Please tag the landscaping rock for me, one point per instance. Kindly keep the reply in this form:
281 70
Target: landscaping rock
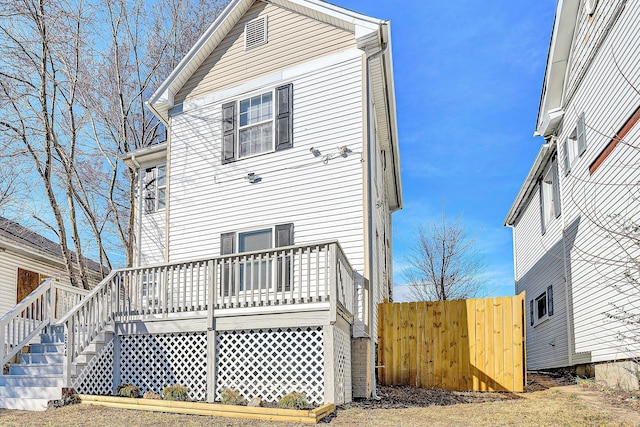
151 395
256 402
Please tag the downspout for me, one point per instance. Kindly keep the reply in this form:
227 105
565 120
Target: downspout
139 239
370 218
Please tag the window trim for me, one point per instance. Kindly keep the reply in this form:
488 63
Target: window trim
156 188
547 298
272 120
549 194
575 144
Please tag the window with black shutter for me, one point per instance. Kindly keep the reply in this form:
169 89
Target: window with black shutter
257 124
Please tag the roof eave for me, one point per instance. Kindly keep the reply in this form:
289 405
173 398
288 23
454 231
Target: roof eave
557 58
544 154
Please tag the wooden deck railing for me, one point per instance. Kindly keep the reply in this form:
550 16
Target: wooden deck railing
290 275
39 309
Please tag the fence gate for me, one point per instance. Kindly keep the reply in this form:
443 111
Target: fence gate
475 344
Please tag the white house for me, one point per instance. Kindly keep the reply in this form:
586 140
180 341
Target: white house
263 240
575 218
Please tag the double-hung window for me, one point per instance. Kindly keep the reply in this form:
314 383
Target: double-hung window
549 189
541 308
255 274
155 188
256 124
575 145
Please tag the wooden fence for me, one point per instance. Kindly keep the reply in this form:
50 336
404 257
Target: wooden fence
475 344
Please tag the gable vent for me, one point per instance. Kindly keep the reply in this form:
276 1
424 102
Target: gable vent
255 33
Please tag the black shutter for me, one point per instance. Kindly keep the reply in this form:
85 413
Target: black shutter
149 190
284 237
567 163
227 247
550 300
228 132
555 185
542 224
284 116
531 311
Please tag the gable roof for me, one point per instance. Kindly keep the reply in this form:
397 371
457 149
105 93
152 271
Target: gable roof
20 239
371 34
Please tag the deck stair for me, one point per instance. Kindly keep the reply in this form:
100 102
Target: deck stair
38 376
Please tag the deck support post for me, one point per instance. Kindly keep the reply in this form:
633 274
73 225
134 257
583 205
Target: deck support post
329 370
211 365
117 353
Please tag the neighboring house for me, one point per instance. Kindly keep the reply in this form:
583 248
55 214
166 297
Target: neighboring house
263 231
26 259
575 246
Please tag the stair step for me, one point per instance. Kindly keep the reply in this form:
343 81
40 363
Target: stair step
41 358
30 381
32 392
23 404
51 338
49 369
46 348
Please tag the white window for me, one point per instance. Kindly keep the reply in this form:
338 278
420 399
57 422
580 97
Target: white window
256 125
575 145
541 308
255 274
155 188
549 188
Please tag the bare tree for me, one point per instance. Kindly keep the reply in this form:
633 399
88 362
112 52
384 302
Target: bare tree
444 264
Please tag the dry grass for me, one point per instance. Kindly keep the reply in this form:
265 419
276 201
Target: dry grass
542 408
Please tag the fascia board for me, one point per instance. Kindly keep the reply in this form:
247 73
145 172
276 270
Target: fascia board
529 183
558 57
31 253
197 54
146 154
393 122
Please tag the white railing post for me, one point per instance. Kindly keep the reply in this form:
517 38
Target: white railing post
333 282
68 352
52 302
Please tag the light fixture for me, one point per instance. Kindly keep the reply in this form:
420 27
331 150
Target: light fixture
315 152
253 178
344 151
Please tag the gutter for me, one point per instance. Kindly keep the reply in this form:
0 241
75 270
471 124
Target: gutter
370 265
139 240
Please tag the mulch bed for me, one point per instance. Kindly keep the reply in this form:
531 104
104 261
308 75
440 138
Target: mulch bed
398 397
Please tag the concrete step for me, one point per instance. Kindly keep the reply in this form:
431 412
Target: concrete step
47 348
36 370
31 381
23 404
41 358
34 392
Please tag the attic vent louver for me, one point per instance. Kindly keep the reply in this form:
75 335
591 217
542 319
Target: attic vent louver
255 33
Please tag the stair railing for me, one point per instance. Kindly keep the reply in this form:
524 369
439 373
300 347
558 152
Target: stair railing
87 319
38 310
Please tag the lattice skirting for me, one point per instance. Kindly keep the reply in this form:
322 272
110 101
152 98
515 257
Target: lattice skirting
271 363
156 361
342 365
97 376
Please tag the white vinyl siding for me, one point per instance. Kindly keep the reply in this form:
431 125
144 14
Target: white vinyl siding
9 264
324 201
591 203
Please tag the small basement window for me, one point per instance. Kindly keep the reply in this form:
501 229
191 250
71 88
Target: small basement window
541 308
255 33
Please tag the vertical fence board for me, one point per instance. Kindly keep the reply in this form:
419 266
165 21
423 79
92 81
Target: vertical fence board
458 345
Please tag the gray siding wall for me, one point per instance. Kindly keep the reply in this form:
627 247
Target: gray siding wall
594 207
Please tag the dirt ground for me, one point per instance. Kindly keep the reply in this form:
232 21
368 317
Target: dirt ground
549 401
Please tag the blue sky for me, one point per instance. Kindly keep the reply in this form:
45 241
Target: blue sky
468 77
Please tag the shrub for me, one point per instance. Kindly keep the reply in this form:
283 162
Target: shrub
176 392
294 400
128 390
232 397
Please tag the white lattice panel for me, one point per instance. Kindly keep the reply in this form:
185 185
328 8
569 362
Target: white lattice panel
153 362
271 363
97 376
342 365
